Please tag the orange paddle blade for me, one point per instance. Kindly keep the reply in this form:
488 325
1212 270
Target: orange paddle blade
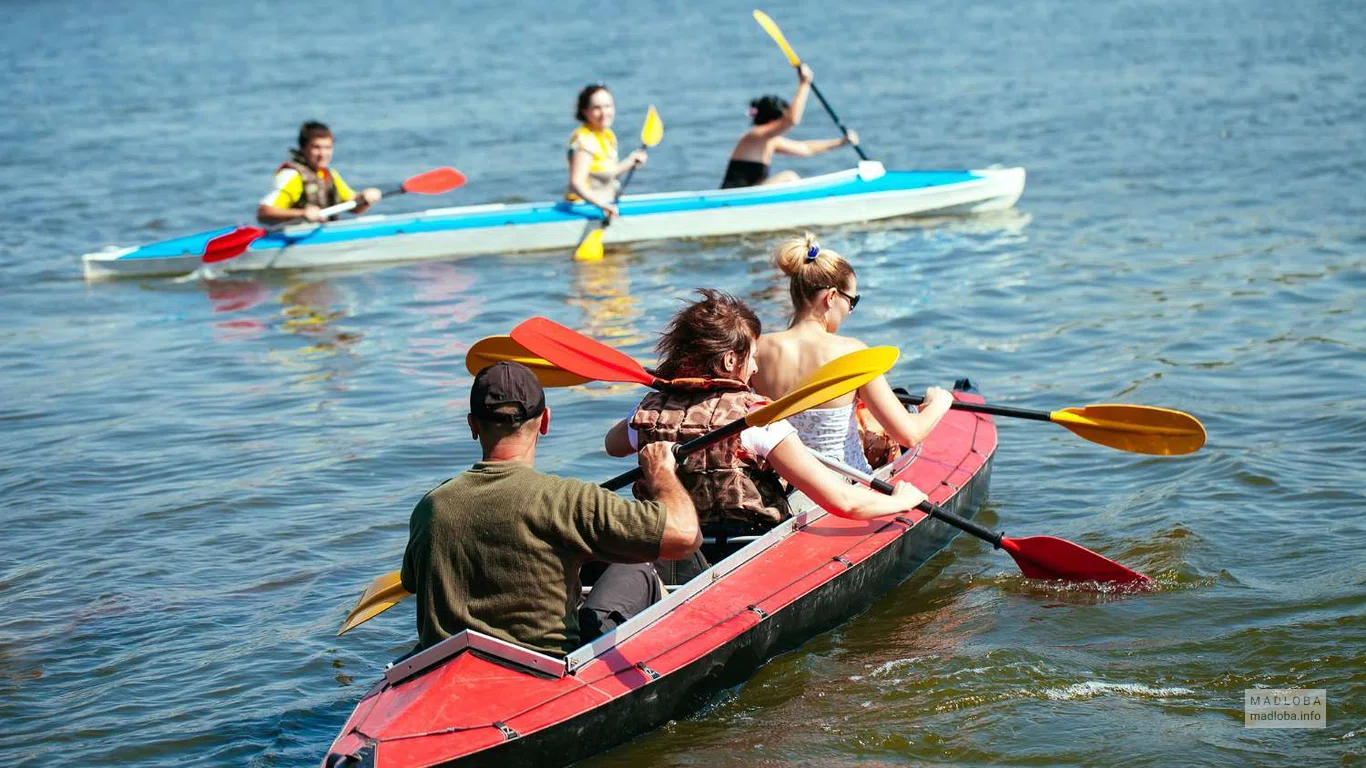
434 182
579 354
496 349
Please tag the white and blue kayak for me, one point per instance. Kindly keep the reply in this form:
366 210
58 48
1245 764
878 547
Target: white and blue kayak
865 193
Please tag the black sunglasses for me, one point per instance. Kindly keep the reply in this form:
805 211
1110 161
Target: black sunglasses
853 300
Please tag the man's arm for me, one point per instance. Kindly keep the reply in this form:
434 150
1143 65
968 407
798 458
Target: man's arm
367 197
277 207
682 532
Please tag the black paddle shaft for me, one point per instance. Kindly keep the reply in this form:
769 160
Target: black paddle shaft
939 513
735 427
994 410
622 189
836 118
681 450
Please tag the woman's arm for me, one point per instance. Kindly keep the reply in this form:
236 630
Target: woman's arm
795 463
905 427
797 108
793 116
785 146
579 163
618 440
636 158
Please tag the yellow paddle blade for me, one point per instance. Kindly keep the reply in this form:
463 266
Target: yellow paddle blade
837 377
771 28
496 349
383 593
1135 428
591 247
652 132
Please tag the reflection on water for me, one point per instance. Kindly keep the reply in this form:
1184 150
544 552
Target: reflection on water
309 308
602 289
445 301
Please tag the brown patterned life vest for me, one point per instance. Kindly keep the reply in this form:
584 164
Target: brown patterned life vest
724 481
319 192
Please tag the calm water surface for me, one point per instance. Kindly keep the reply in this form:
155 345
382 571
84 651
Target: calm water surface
198 479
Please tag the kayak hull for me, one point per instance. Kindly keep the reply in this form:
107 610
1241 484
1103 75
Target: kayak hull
473 706
865 194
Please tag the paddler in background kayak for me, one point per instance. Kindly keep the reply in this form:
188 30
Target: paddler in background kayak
307 183
498 548
824 291
707 354
593 164
773 117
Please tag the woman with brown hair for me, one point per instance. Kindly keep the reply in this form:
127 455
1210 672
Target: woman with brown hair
824 290
593 164
707 355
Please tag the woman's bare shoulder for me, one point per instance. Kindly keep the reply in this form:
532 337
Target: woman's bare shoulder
846 344
774 344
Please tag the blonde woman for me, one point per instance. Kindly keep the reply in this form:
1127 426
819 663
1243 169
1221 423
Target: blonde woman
824 291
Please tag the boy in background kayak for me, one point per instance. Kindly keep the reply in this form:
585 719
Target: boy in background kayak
306 183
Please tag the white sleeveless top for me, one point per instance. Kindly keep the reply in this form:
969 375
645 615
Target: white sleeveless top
832 432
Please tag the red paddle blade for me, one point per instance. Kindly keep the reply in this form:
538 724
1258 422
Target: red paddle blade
577 353
231 245
1051 558
434 182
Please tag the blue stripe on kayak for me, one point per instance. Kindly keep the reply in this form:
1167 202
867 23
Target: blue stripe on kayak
546 213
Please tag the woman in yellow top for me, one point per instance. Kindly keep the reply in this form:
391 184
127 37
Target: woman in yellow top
593 164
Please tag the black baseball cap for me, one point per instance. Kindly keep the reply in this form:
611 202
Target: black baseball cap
506 383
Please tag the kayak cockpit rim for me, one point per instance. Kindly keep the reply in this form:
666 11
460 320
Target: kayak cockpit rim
645 618
537 662
809 513
469 639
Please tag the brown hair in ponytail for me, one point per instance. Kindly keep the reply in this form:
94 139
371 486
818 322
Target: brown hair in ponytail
812 269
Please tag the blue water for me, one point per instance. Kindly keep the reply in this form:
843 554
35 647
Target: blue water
199 478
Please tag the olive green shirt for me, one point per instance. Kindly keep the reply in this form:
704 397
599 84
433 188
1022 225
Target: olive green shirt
498 550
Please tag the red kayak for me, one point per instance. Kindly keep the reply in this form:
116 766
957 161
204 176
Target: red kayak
475 700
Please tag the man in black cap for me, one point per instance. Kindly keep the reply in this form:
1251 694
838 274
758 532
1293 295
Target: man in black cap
498 548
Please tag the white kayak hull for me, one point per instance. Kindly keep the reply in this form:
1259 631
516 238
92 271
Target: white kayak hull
864 194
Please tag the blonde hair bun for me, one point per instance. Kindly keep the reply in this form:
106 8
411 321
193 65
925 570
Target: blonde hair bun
811 267
790 255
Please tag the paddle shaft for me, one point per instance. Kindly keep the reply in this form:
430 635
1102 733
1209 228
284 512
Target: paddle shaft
994 410
681 450
862 155
622 189
333 210
933 510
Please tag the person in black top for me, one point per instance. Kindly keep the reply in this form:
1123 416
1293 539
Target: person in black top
773 117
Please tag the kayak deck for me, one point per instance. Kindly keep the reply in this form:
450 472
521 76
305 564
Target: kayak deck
472 702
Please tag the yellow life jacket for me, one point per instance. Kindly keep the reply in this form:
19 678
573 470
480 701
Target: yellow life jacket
602 147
